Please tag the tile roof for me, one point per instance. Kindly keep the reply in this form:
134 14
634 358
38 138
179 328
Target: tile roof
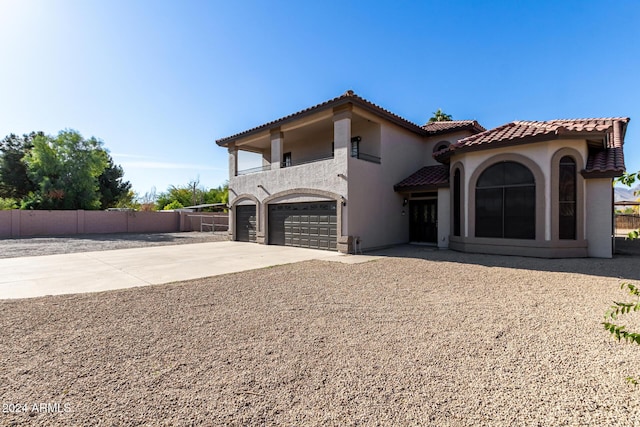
434 128
346 98
350 97
605 164
427 177
607 161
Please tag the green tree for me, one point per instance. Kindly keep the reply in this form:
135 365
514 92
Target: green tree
218 195
14 179
440 116
111 187
183 195
65 169
193 194
7 204
173 205
128 201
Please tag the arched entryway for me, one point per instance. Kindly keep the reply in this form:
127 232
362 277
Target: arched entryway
294 218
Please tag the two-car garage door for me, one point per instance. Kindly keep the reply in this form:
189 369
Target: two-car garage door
307 225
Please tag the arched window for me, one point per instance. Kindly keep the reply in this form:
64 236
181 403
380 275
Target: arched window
567 199
506 202
441 146
456 203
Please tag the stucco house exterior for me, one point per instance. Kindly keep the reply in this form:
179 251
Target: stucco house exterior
349 175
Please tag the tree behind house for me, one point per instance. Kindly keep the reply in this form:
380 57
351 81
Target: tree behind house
39 171
14 179
192 194
440 116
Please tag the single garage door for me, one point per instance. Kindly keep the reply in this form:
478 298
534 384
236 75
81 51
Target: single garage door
305 225
246 223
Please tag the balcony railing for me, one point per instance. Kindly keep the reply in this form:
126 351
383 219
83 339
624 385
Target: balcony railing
366 157
254 170
283 165
304 162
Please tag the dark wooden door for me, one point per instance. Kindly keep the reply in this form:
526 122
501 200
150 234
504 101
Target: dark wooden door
423 221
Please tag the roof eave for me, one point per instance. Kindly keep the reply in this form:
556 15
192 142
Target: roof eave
284 120
520 141
333 103
473 127
423 187
593 174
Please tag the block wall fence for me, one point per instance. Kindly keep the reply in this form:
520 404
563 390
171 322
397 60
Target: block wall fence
27 223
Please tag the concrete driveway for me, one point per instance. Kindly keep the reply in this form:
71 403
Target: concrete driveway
29 277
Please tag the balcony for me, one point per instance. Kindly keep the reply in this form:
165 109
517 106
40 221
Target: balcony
286 164
366 157
254 170
289 163
356 151
318 173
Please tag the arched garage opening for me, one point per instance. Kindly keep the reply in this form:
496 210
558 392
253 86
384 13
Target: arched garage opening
303 218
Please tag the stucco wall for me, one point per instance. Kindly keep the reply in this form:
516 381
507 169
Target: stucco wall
311 147
322 175
599 219
370 137
375 213
444 219
539 153
432 141
593 224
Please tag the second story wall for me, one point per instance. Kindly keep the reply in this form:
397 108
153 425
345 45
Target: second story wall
321 175
432 143
375 214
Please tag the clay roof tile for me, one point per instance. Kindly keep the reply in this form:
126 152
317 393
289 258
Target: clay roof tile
426 177
607 161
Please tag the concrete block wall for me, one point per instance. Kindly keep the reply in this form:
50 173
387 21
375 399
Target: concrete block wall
23 223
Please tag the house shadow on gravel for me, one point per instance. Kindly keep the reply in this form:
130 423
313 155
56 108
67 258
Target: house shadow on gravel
625 265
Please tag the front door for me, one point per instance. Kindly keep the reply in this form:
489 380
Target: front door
423 221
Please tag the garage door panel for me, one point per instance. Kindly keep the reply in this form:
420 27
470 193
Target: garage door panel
309 225
246 223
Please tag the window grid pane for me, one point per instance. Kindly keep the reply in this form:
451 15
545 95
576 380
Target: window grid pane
505 202
567 203
456 203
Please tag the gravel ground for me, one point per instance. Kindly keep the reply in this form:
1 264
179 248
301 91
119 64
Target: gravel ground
34 246
420 337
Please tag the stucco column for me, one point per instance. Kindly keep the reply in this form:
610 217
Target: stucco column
599 217
277 141
342 145
444 219
233 159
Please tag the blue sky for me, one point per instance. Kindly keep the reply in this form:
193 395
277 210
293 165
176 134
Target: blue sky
160 81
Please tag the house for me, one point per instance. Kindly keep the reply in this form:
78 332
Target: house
349 175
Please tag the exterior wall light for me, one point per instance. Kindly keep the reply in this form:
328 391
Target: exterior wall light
405 202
